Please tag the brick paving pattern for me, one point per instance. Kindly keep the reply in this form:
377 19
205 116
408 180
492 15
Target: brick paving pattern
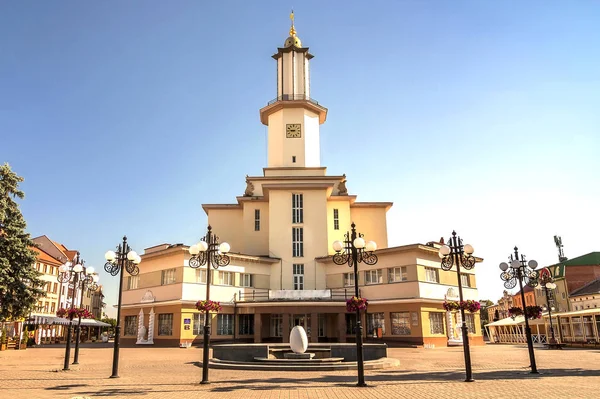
500 371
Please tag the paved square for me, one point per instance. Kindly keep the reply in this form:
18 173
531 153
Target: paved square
500 371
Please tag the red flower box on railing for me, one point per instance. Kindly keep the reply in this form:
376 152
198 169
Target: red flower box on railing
356 303
469 305
74 312
208 306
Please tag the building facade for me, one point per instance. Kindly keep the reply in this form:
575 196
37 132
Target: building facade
281 272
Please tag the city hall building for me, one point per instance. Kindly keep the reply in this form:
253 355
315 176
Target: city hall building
281 229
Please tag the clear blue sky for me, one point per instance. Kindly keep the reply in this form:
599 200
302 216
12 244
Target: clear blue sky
479 116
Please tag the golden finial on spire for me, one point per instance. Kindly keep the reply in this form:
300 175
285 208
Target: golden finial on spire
292 29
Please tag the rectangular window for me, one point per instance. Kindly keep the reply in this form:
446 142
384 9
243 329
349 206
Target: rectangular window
348 279
400 323
396 274
374 276
245 280
165 323
297 242
464 280
54 288
201 276
431 275
297 208
374 322
131 325
470 319
298 270
246 322
350 323
46 269
53 307
133 282
198 328
257 220
276 325
226 278
224 324
436 323
322 324
167 277
336 219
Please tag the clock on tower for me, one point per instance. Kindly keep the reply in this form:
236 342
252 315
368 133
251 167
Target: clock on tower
293 130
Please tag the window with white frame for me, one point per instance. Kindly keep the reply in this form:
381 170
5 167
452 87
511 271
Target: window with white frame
348 279
464 280
396 274
374 276
201 276
245 280
165 324
297 242
276 325
131 325
400 323
224 324
298 272
226 278
133 282
257 220
436 322
470 319
297 208
431 275
336 219
350 323
246 324
375 321
198 327
167 277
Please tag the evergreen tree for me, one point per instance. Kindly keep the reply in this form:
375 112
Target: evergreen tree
19 281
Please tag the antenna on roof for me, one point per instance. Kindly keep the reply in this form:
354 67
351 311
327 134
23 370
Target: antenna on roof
559 246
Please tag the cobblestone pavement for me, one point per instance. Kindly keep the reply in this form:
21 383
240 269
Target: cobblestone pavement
500 371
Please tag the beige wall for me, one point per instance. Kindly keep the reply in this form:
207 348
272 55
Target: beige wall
228 224
305 148
255 242
372 222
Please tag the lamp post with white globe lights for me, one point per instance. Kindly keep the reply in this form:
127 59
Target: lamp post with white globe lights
521 271
127 259
352 251
70 271
547 284
90 282
457 254
212 254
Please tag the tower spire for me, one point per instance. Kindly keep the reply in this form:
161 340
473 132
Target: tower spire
292 28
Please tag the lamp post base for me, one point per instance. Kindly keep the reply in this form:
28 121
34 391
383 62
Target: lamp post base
469 380
204 382
361 384
114 376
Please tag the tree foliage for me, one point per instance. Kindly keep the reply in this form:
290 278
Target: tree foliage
19 281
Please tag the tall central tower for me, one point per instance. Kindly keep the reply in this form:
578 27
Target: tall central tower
293 118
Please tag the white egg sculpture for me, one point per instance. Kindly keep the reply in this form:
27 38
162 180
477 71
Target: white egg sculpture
298 340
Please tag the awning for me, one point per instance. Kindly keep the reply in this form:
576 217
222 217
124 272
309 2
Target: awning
519 320
583 312
52 320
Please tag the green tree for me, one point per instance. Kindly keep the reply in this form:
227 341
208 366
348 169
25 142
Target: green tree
111 321
483 314
19 281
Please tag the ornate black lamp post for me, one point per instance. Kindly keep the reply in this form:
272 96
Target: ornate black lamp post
68 272
212 254
547 285
89 281
352 251
521 271
457 254
127 259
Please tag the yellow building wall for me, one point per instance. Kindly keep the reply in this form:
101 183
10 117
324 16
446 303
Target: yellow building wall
255 242
227 225
372 222
345 220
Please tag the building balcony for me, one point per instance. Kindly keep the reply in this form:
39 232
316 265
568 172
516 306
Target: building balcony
266 295
293 97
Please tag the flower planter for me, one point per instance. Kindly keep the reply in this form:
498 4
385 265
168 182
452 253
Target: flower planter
3 347
356 303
